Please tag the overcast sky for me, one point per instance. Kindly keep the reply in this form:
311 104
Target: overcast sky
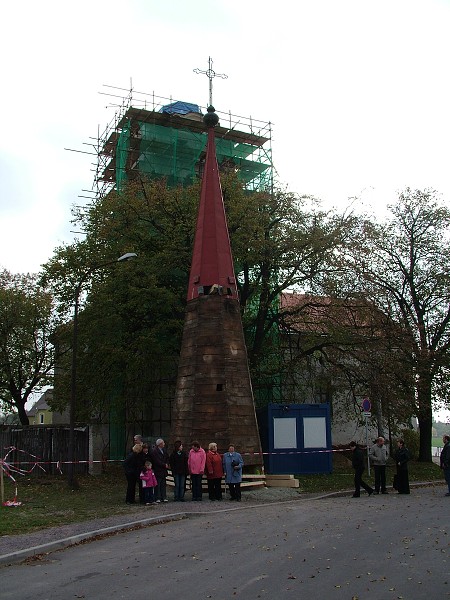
358 92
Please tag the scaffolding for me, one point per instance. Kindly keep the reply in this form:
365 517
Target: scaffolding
149 137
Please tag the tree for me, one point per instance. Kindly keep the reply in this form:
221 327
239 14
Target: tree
135 321
26 353
280 241
131 323
402 267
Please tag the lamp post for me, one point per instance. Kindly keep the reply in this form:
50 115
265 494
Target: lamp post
71 480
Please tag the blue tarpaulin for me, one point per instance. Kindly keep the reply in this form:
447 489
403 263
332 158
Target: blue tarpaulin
180 108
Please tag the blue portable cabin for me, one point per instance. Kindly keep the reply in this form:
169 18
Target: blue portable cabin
296 438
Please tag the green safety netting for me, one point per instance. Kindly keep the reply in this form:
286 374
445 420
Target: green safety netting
175 154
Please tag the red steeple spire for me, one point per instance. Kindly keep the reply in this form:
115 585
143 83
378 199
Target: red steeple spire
212 262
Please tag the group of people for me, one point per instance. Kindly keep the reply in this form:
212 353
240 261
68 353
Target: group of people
148 469
378 456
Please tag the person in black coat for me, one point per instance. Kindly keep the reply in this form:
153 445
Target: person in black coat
178 461
160 461
401 460
358 465
132 466
445 460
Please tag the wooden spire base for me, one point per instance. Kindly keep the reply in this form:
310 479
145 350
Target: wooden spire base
214 398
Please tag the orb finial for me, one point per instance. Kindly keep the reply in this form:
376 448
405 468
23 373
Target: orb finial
211 118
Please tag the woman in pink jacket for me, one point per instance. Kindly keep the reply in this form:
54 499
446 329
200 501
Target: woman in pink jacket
214 472
196 464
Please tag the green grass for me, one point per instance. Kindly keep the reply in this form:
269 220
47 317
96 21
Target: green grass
437 442
48 501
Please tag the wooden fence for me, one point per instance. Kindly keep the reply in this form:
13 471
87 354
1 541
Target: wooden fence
44 446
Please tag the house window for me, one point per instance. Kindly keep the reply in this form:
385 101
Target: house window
41 419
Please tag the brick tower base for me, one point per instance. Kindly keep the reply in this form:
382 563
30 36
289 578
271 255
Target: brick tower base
214 398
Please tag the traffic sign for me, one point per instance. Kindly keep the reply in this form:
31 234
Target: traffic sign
366 405
367 413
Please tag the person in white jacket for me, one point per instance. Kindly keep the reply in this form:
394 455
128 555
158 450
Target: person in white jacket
378 456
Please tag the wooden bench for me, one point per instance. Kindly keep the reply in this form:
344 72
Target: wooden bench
248 481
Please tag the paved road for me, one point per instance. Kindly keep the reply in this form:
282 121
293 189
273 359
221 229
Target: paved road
382 547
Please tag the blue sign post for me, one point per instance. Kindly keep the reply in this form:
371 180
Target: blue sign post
366 406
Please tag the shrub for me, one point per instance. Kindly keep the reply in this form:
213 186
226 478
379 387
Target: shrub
412 441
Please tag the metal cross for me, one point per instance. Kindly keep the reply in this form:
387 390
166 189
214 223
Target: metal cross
210 74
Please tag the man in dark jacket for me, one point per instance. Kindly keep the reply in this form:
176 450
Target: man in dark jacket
358 465
132 466
160 463
445 461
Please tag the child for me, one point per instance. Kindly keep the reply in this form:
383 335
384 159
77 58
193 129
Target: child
148 483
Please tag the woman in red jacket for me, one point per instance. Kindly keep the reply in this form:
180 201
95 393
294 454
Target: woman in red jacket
214 472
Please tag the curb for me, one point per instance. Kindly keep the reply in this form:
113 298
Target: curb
414 484
73 540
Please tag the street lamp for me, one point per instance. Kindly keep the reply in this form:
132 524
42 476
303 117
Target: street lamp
73 381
